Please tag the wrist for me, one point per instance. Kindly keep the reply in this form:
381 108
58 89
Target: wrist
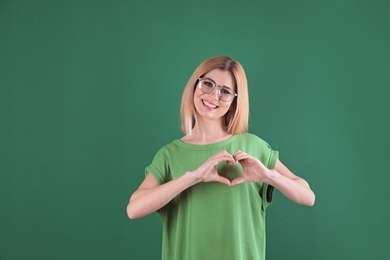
272 177
191 178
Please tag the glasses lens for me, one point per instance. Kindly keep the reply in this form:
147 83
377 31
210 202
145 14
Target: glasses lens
207 85
226 94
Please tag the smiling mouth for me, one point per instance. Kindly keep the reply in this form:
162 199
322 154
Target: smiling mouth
209 105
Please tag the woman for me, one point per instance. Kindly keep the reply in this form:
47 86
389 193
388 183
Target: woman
212 186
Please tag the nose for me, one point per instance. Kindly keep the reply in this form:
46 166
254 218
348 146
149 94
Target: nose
216 93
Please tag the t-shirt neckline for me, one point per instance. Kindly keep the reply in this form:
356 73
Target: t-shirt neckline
206 146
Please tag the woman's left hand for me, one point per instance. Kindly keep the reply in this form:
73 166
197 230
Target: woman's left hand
290 185
253 169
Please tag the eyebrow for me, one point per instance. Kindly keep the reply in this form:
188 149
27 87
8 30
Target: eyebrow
219 85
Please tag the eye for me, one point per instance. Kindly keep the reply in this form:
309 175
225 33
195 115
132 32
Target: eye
208 83
226 91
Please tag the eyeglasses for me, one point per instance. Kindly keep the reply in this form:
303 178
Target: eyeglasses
207 86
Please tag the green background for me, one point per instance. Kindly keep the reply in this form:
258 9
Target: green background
90 90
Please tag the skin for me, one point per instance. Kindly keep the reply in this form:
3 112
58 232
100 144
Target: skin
150 196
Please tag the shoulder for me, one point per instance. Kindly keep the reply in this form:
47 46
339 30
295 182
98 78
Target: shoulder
167 149
259 148
253 139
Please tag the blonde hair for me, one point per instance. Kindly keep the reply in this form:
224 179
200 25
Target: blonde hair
236 119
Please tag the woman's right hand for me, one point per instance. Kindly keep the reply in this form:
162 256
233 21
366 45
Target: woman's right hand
151 196
207 172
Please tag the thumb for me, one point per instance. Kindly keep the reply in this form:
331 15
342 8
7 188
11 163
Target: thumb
223 180
238 180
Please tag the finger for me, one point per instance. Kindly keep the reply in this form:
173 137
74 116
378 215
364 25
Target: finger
241 156
231 162
223 152
216 160
240 153
237 181
237 153
228 158
223 180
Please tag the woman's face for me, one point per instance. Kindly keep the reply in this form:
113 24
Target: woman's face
209 105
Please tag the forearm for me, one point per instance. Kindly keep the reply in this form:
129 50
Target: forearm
146 201
297 189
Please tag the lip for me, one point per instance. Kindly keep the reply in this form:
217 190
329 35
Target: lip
209 105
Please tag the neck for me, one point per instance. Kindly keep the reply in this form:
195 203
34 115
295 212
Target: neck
207 133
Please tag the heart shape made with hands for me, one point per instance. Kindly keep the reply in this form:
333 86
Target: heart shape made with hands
229 171
245 169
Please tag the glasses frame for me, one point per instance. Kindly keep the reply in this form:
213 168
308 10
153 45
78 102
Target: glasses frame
215 86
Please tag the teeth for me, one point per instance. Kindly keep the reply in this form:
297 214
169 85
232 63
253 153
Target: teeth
209 104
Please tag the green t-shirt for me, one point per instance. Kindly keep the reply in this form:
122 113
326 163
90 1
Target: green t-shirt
212 220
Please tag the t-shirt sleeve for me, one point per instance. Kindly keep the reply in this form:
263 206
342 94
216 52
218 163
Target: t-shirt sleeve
155 173
157 167
273 157
267 190
267 155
